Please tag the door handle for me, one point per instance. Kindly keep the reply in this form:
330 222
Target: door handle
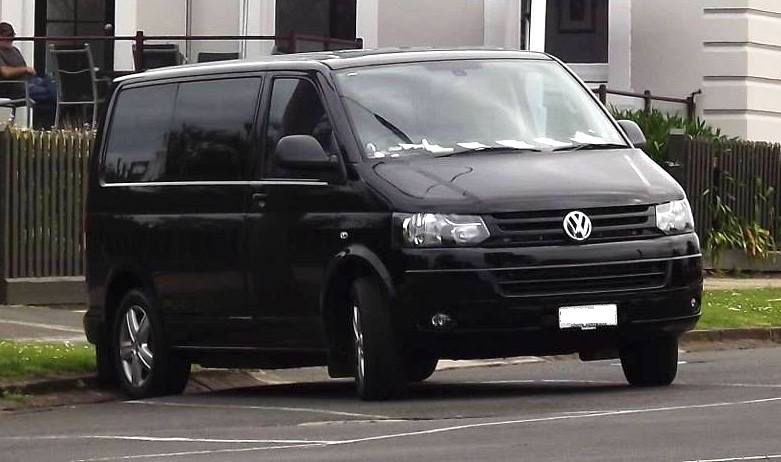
259 199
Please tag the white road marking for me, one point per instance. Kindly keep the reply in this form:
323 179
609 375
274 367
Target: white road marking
260 408
768 457
682 362
554 418
42 326
195 453
159 439
456 428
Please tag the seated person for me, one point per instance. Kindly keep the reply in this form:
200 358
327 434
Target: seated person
12 64
14 67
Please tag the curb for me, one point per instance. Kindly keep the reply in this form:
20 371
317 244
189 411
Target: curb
211 380
208 380
762 334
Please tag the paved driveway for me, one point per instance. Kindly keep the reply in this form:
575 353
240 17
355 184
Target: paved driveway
725 405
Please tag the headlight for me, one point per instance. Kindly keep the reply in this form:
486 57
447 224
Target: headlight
675 217
437 230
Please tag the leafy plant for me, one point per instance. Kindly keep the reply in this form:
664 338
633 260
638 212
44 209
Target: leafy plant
657 125
730 231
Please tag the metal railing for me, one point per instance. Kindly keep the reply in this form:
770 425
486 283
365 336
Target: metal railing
690 102
140 39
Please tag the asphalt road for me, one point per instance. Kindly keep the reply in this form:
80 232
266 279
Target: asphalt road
725 405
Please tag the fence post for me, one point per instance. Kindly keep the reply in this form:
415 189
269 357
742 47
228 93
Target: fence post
291 41
602 92
691 105
647 101
677 161
139 55
5 210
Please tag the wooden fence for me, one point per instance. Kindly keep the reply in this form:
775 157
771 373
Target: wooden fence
43 193
740 172
42 199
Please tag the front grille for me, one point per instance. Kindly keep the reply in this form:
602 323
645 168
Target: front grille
582 279
540 228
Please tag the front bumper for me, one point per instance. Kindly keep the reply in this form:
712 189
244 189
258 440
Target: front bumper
656 284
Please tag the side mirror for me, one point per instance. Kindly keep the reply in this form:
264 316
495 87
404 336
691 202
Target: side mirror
302 152
634 133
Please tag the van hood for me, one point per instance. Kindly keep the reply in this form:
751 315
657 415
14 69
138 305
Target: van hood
524 181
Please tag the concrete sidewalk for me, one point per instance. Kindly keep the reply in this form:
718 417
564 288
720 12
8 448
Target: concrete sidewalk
719 283
34 323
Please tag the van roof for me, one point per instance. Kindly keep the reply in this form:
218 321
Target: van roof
332 59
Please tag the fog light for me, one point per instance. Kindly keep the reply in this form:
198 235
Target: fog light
442 321
694 302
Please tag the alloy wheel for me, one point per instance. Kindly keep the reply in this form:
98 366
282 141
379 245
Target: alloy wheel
358 341
135 346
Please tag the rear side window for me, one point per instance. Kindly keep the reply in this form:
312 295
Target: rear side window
193 131
138 140
212 130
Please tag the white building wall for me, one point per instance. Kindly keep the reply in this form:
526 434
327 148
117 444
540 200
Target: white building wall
667 46
742 67
208 17
437 23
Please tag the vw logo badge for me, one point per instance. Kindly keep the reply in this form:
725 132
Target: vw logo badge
577 225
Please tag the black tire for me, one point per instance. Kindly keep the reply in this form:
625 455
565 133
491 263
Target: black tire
650 363
162 373
104 362
379 367
419 369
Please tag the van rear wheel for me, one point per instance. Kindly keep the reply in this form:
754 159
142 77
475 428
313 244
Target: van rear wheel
650 363
379 367
144 364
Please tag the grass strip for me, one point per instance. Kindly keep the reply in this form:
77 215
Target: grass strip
31 359
740 308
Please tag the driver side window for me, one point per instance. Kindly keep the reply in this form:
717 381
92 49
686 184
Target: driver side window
295 109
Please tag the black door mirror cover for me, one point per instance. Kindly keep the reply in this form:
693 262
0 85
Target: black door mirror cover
303 152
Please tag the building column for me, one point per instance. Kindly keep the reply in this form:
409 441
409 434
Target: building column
367 22
125 23
537 26
620 44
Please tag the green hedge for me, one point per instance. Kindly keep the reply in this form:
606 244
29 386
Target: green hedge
657 125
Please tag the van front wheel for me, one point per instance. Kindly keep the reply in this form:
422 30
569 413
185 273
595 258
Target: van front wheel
379 368
650 363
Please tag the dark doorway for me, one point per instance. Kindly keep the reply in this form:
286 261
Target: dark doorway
576 31
322 18
74 18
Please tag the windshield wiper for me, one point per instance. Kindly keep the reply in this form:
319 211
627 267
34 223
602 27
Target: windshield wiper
591 146
488 149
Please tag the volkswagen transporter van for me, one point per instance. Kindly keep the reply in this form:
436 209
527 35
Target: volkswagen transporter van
376 211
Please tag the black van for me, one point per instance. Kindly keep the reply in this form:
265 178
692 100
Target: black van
375 211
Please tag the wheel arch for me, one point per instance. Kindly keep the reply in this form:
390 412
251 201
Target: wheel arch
351 263
119 282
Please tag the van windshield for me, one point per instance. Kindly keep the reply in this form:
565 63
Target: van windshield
445 108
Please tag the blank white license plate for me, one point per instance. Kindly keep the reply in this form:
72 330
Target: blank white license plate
588 316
